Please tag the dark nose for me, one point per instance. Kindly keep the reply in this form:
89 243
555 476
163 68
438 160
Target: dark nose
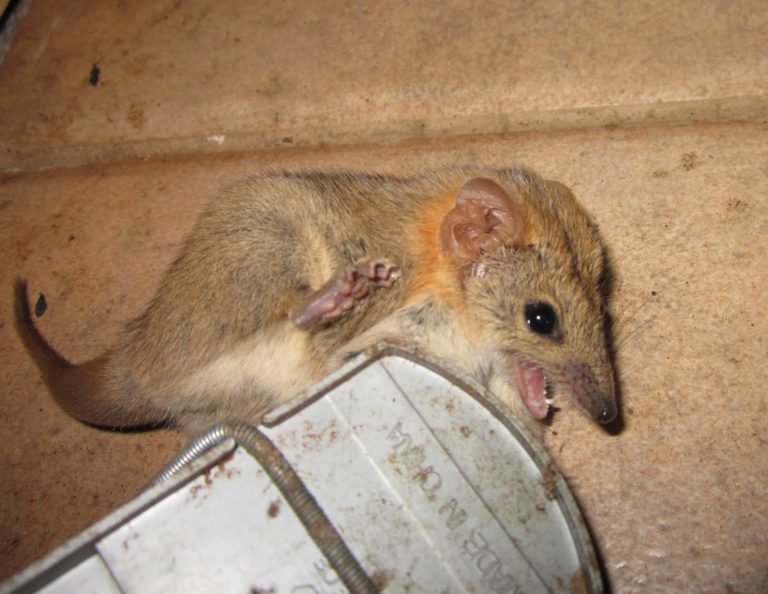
606 414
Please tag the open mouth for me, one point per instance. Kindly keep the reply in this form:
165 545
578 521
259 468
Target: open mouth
532 384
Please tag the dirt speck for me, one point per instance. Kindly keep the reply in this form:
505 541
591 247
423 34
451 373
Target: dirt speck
422 476
136 116
221 467
579 583
41 305
131 537
736 205
93 78
225 459
316 438
195 490
548 481
274 508
380 579
688 161
465 431
660 173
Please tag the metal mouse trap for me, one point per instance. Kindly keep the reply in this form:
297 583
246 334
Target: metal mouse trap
390 475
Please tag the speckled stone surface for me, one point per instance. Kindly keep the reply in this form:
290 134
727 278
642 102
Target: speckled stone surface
677 500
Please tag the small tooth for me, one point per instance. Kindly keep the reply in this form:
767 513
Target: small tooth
549 401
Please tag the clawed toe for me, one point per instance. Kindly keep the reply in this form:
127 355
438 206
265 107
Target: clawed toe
341 294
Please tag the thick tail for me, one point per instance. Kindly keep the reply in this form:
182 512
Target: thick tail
83 391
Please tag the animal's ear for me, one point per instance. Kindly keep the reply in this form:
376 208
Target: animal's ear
559 189
484 218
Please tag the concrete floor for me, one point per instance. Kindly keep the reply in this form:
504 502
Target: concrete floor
655 116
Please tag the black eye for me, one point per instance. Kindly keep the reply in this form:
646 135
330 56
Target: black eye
540 317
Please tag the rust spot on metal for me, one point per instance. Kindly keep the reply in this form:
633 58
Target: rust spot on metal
579 583
380 579
314 439
133 536
226 459
274 508
195 490
221 467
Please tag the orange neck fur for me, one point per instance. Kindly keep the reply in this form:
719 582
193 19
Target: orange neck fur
436 275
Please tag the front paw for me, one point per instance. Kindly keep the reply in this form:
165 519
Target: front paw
342 293
375 273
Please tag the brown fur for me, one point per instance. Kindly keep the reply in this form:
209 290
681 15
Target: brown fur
217 342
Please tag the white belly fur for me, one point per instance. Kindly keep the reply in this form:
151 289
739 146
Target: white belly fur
260 372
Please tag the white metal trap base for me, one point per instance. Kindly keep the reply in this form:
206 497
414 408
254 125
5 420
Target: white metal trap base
423 484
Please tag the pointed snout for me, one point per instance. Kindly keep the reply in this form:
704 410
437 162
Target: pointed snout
593 394
606 412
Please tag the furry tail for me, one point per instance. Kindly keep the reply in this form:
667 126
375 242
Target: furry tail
82 391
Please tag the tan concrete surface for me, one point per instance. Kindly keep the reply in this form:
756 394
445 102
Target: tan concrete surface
677 501
219 75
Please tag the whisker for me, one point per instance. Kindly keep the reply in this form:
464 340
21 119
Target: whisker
634 333
620 320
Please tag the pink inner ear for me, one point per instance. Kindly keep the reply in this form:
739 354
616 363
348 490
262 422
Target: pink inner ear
483 219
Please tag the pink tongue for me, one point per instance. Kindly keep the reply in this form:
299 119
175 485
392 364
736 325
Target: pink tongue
533 389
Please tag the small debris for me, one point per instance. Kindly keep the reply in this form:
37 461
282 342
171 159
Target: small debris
136 116
274 508
688 161
737 205
380 579
95 74
41 305
548 481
